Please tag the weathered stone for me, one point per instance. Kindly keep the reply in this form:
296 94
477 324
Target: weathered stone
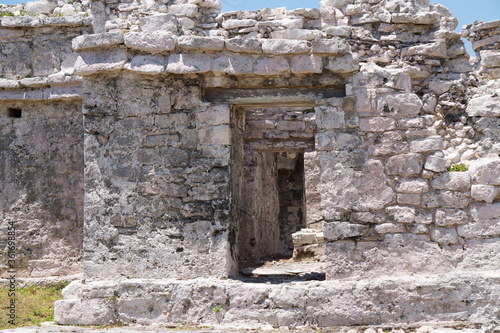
40 7
434 50
330 46
244 45
302 64
436 163
97 41
233 24
159 22
451 217
343 64
416 186
301 34
485 221
238 64
148 64
490 58
390 228
284 46
189 63
431 143
445 236
93 62
150 42
404 165
183 10
486 193
452 181
271 66
193 43
399 105
377 124
401 214
329 117
341 230
484 106
486 171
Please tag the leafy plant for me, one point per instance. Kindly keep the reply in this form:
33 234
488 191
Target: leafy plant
6 14
22 12
217 308
458 168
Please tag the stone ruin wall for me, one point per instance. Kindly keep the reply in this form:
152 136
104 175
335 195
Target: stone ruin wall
168 139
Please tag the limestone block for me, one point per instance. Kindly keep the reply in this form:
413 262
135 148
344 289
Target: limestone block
234 24
399 105
189 63
343 64
377 124
486 171
40 7
389 143
451 217
341 230
485 221
284 46
409 199
159 22
303 64
177 121
104 40
446 199
98 61
365 101
486 193
194 43
452 181
428 18
433 50
209 4
340 31
431 143
490 58
244 45
216 115
484 106
436 163
8 83
404 165
148 64
401 214
301 34
307 236
334 45
84 312
150 42
329 117
413 186
445 236
349 189
237 64
271 66
21 21
183 10
215 135
390 228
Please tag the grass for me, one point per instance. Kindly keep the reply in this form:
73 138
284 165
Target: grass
458 168
34 305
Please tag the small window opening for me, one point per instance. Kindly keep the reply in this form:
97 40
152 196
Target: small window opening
14 113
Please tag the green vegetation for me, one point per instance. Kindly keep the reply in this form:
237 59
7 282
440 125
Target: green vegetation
34 304
22 12
6 14
217 308
458 168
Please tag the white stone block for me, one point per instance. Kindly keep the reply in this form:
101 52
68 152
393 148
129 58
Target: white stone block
413 186
148 64
237 64
271 66
431 143
486 193
451 217
343 64
244 45
150 42
404 165
284 46
436 163
341 230
486 171
452 181
194 43
401 214
303 64
484 106
334 45
104 40
377 124
189 63
445 236
399 105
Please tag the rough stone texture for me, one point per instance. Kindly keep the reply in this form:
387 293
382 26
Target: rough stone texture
41 158
210 138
